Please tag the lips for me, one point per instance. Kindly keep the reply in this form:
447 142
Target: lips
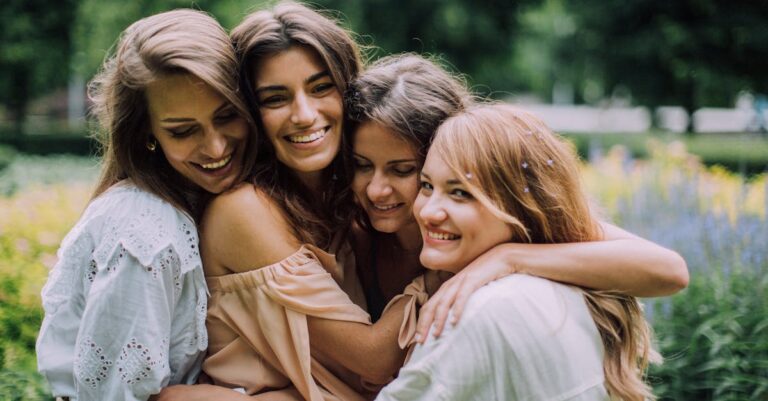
217 164
310 137
386 208
442 235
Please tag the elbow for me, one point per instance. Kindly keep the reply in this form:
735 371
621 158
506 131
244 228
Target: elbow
381 372
677 277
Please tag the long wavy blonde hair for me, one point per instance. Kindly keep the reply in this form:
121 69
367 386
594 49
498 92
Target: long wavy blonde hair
529 177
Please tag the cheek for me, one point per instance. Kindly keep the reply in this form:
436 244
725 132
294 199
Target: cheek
418 204
413 189
359 184
176 152
239 129
270 120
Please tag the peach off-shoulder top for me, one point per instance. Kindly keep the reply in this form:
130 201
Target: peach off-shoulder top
257 325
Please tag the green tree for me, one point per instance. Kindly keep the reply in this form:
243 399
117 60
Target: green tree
477 38
35 44
690 52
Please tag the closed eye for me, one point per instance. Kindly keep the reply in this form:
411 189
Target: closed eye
181 132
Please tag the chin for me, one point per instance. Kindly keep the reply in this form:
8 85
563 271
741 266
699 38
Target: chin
438 262
385 227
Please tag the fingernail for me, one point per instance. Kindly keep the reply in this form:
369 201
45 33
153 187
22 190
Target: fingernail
418 337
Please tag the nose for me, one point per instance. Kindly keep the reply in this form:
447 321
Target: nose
432 211
379 187
303 112
214 143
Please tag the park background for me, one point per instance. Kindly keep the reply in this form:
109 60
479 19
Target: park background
665 100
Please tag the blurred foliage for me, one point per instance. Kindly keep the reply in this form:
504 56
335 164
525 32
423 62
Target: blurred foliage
693 53
35 38
29 171
746 154
7 154
714 334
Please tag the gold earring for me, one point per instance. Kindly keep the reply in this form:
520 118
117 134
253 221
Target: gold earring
152 145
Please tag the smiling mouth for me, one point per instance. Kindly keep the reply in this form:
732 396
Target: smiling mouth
443 236
217 165
314 136
386 208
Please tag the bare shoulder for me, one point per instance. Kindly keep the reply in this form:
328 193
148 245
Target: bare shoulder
244 229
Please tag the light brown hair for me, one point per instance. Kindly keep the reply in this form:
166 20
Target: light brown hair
174 42
529 177
407 94
263 34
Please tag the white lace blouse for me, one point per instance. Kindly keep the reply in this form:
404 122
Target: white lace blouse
125 304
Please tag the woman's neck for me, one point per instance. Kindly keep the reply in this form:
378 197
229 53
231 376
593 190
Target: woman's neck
312 180
409 238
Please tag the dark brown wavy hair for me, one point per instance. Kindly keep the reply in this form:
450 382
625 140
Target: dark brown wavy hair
265 33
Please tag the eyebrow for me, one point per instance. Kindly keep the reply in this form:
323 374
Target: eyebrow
310 79
402 161
449 182
221 107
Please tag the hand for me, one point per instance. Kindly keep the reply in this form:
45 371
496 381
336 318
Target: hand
455 292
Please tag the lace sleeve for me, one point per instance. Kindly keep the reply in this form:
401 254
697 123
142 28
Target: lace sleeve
122 346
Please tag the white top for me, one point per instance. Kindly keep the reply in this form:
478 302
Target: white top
125 304
520 338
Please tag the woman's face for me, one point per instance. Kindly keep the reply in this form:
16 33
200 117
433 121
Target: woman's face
455 227
300 107
200 133
386 178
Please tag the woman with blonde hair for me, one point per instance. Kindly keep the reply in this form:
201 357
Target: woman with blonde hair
497 174
396 105
125 304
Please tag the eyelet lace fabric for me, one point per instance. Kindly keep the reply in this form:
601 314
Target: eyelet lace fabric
128 280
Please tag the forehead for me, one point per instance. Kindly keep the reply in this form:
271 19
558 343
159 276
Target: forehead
436 168
376 140
181 94
288 66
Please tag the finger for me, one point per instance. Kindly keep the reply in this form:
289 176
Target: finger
462 296
443 309
426 316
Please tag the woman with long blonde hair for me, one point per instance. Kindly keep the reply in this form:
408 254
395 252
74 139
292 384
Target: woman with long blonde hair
496 174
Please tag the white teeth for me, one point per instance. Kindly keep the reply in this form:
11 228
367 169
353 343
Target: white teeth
442 236
384 208
218 164
307 138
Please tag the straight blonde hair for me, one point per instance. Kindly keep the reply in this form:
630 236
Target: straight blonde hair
529 177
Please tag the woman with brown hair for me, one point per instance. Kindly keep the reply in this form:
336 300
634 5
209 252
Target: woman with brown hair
277 261
496 174
125 304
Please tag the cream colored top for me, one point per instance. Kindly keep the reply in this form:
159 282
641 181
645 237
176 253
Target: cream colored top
257 326
519 338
